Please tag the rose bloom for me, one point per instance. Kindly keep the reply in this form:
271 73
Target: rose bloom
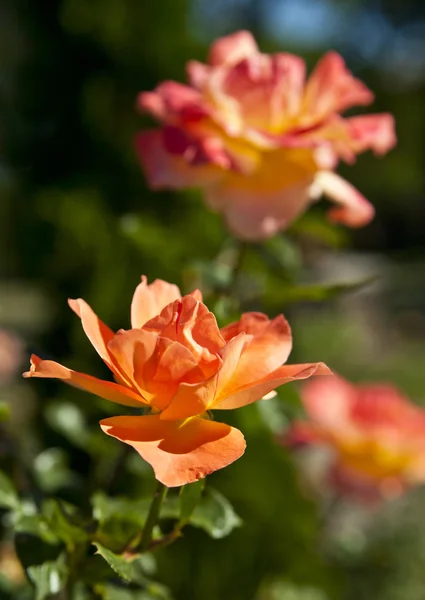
259 139
176 363
375 435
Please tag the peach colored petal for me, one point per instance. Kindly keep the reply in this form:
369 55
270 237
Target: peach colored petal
179 453
156 365
192 400
332 88
165 170
105 389
132 349
268 349
189 322
99 335
197 294
150 299
372 132
232 48
256 391
354 209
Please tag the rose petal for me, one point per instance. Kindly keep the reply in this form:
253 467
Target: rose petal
286 374
165 170
268 349
171 101
149 300
192 400
105 389
179 453
232 48
267 90
255 213
189 322
372 132
355 210
332 88
328 401
99 335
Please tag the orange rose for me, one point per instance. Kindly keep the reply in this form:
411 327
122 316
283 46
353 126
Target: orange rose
177 363
260 140
375 434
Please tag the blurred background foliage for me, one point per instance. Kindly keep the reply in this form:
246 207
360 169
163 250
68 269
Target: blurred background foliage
76 219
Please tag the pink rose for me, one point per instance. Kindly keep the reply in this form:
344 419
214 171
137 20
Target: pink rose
260 139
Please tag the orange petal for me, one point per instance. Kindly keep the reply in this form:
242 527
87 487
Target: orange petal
155 365
354 209
179 453
131 350
286 374
149 300
104 389
190 323
192 400
269 348
99 335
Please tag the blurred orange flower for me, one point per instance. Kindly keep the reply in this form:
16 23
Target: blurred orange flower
259 139
176 363
376 436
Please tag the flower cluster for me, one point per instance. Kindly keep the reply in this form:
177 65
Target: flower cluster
179 365
261 140
376 436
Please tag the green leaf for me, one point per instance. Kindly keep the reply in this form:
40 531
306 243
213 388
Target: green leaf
215 515
49 578
105 508
316 292
120 520
190 496
8 495
131 568
121 565
63 522
36 525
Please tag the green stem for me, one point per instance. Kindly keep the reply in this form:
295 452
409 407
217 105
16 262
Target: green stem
154 510
237 266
